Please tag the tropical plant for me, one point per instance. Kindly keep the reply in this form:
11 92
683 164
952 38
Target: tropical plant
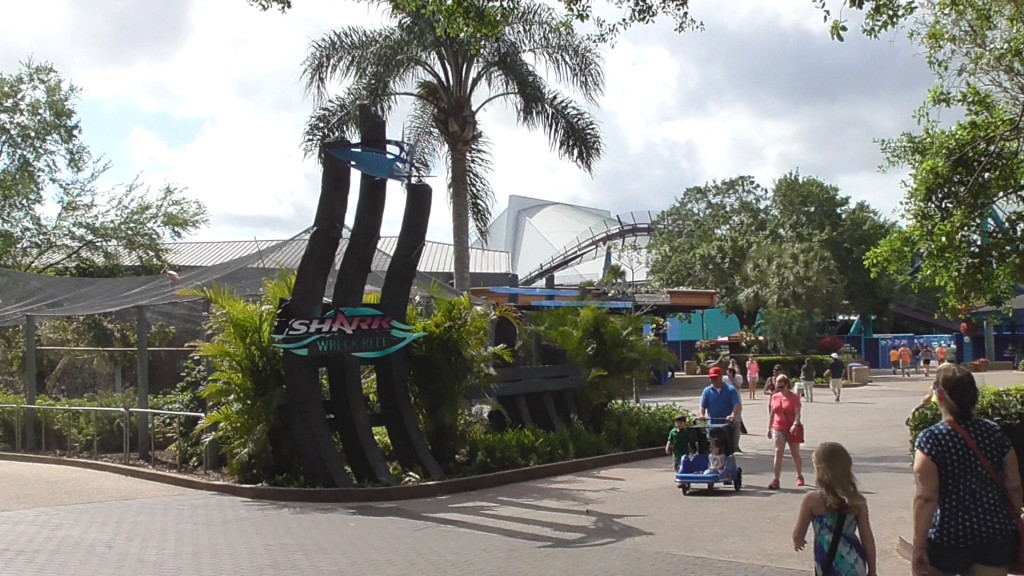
245 387
450 80
454 357
611 349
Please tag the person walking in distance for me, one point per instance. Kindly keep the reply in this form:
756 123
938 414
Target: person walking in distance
927 355
894 359
906 357
836 369
807 374
753 376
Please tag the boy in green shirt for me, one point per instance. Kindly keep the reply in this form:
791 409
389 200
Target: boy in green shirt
677 444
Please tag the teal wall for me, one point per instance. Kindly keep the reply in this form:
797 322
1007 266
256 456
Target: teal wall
716 324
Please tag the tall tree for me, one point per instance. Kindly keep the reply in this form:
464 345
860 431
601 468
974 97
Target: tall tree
704 239
54 217
965 194
812 212
798 246
450 80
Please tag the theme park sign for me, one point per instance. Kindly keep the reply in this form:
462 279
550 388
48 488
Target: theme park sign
362 332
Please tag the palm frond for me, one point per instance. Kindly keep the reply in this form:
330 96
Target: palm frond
537 31
571 130
340 55
335 119
422 135
508 76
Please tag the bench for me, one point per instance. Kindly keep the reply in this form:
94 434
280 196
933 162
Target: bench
536 396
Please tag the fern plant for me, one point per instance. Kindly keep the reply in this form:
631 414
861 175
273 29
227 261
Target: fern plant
245 389
454 357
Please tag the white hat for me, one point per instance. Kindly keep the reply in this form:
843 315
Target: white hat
834 355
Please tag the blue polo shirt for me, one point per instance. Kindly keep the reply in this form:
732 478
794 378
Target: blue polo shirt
720 403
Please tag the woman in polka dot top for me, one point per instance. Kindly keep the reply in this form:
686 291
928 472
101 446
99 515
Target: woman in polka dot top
962 522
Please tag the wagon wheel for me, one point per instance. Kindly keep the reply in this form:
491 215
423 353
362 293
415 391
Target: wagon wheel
737 482
685 488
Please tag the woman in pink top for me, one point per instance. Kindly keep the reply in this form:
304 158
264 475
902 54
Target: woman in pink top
753 373
784 413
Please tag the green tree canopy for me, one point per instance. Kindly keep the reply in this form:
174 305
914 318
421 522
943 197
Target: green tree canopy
55 217
791 247
966 187
486 18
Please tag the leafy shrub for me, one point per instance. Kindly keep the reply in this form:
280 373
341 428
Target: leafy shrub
245 390
454 357
610 349
74 432
1003 406
791 364
627 427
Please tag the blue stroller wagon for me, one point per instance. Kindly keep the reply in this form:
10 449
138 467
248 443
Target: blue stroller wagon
693 466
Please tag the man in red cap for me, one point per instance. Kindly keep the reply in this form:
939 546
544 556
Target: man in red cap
720 404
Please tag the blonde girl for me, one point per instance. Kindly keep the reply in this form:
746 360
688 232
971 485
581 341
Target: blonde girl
837 496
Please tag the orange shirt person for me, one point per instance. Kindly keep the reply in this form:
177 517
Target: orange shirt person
894 359
906 358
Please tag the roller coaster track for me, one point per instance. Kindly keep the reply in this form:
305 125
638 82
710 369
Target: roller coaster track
590 241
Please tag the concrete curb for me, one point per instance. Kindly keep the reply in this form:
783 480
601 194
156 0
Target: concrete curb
351 495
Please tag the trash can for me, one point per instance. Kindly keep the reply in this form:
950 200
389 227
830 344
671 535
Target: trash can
859 374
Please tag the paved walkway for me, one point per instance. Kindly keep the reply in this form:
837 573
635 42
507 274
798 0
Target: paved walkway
624 520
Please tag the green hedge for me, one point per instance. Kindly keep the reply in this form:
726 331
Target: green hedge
1004 406
626 427
792 364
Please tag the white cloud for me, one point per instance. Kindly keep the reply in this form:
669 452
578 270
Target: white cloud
761 92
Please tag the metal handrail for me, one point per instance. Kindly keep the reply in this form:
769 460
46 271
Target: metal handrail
126 415
177 431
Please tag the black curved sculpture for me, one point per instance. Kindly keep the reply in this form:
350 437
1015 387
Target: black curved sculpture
312 333
320 458
347 404
392 373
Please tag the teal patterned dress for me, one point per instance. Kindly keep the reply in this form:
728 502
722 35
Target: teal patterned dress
851 559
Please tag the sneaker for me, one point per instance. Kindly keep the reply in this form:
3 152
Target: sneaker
774 485
800 481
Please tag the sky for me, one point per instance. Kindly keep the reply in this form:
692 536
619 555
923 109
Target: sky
206 95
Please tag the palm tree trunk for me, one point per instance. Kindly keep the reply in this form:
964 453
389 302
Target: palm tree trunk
460 217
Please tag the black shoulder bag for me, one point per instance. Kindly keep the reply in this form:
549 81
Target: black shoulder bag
833 547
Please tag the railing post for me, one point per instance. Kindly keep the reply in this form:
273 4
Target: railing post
31 373
142 335
177 434
17 428
126 435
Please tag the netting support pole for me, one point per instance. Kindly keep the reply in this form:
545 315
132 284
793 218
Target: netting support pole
31 373
143 386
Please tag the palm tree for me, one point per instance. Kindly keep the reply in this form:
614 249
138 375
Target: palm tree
450 80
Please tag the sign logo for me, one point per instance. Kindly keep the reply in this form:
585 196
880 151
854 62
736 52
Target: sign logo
362 332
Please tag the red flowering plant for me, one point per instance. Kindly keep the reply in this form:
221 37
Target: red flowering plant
830 344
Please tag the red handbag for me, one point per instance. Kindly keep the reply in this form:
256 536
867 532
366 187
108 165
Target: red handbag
1018 566
796 434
